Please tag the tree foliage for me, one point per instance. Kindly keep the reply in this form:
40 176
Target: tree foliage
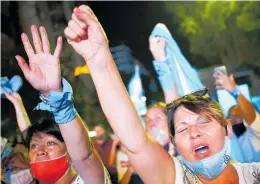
220 30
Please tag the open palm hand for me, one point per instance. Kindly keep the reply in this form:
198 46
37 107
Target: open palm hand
43 71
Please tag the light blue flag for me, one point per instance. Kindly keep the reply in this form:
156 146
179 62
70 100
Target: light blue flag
136 92
256 102
183 74
251 151
237 153
12 85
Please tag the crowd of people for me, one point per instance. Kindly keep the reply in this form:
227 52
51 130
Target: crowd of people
186 138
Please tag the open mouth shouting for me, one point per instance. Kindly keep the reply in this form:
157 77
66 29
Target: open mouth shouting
201 150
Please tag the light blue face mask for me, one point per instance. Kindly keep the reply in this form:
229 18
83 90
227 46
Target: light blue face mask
211 167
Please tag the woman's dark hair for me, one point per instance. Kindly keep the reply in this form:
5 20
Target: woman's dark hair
44 126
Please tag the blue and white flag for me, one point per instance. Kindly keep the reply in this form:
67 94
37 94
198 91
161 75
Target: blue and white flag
184 75
136 92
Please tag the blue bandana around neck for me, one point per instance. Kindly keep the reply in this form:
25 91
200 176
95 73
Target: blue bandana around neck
212 166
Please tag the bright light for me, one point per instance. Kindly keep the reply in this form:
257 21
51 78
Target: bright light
92 133
143 98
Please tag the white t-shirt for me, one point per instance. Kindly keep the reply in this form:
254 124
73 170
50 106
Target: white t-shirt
121 156
247 173
79 180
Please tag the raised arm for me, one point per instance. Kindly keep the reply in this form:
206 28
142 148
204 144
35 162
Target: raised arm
43 73
176 75
89 40
83 155
23 120
165 76
247 109
228 83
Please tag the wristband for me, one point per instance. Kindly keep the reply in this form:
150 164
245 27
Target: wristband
161 67
60 104
235 92
164 73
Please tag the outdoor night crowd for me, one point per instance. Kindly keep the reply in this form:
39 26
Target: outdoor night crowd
185 139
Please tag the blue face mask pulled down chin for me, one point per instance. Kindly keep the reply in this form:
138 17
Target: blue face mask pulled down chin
212 166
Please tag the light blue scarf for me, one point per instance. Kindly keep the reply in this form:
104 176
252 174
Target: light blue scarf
12 85
211 167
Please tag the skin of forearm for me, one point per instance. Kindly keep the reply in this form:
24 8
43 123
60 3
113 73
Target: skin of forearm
83 155
22 117
124 120
81 141
170 95
116 103
247 109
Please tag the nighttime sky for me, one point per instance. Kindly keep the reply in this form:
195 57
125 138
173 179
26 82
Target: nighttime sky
133 22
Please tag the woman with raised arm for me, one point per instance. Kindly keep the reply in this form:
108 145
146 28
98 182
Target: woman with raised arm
88 39
55 145
196 123
176 75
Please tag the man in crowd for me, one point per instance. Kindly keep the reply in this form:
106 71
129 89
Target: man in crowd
106 147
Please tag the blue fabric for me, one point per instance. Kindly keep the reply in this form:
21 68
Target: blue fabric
211 167
245 140
12 85
165 76
8 175
182 73
236 150
136 92
60 104
6 152
256 102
